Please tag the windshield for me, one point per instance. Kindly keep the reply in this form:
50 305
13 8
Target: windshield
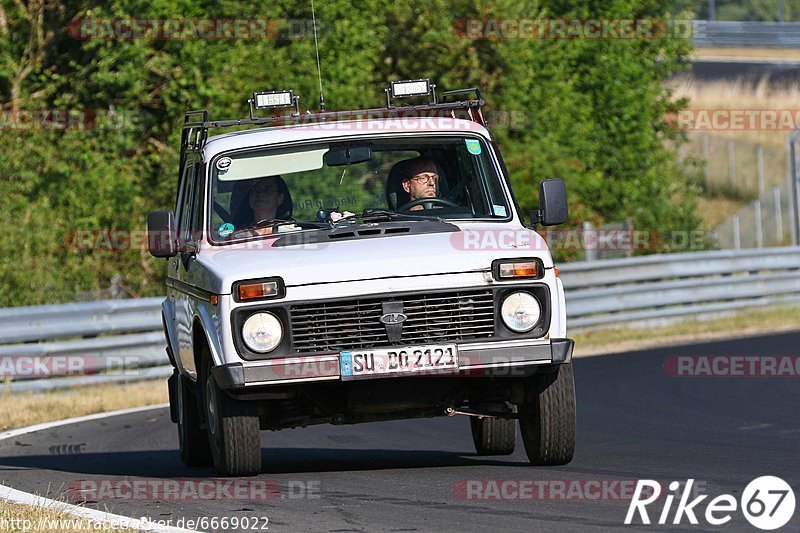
315 186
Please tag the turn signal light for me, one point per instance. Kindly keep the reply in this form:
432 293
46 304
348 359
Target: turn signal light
519 270
247 291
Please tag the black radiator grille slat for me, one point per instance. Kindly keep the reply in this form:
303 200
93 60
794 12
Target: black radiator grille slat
355 324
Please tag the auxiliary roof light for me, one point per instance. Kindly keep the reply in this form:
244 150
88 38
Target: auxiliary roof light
273 99
408 88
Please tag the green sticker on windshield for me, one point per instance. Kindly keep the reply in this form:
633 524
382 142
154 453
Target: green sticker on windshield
473 146
225 229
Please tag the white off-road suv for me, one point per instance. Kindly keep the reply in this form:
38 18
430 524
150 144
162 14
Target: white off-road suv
359 266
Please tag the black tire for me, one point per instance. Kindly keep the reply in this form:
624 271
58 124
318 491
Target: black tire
547 419
192 439
233 432
493 436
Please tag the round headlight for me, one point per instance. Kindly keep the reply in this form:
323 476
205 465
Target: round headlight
520 312
262 332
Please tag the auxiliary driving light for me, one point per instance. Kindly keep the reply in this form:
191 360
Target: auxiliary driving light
262 332
520 312
407 88
270 99
402 89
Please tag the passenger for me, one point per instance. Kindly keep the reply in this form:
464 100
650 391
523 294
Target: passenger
262 199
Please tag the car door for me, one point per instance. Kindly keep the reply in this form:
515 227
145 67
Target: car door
182 262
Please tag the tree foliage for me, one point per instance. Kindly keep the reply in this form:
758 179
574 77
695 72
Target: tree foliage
588 110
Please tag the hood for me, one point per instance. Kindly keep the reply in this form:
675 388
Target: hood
471 249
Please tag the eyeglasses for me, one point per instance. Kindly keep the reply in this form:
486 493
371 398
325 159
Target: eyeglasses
425 178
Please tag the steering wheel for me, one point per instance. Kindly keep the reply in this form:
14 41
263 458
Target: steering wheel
426 203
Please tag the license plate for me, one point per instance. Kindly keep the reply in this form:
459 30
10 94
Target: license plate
432 359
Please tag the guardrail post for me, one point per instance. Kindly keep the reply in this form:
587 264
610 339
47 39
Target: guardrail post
776 192
737 238
731 162
794 212
758 227
589 253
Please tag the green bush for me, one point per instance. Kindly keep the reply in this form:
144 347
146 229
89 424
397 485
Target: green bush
589 111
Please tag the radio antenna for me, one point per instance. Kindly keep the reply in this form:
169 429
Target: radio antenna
319 70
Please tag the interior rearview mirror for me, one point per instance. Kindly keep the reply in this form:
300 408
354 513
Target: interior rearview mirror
348 155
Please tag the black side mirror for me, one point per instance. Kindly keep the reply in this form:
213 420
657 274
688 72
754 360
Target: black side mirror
553 209
161 234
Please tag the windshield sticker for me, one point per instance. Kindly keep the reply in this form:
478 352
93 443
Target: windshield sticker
499 210
225 229
473 146
224 163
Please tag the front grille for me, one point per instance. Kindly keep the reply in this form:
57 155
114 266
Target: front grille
355 324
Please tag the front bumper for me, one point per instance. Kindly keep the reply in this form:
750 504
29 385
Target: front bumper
498 359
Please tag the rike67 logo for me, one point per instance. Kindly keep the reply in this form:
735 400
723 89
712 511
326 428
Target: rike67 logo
767 503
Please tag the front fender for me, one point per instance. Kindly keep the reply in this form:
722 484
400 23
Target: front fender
168 310
206 316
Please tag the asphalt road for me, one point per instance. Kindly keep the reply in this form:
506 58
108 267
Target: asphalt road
635 421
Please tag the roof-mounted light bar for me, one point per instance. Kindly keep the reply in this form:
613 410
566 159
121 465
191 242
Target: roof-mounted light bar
272 100
408 88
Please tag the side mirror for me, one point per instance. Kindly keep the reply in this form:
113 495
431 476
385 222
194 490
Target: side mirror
161 234
553 209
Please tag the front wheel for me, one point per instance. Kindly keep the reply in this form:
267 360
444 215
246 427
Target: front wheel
233 432
547 418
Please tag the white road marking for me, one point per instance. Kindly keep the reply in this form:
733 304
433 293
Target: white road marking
85 513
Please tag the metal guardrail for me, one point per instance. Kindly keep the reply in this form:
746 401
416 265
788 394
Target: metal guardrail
706 33
124 341
659 288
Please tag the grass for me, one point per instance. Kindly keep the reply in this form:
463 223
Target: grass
24 409
713 173
15 517
768 53
611 340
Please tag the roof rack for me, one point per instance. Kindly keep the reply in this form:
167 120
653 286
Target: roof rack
197 123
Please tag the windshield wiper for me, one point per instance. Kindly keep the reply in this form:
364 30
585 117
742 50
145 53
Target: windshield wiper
384 214
275 222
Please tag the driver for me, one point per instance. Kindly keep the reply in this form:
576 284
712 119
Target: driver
421 181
